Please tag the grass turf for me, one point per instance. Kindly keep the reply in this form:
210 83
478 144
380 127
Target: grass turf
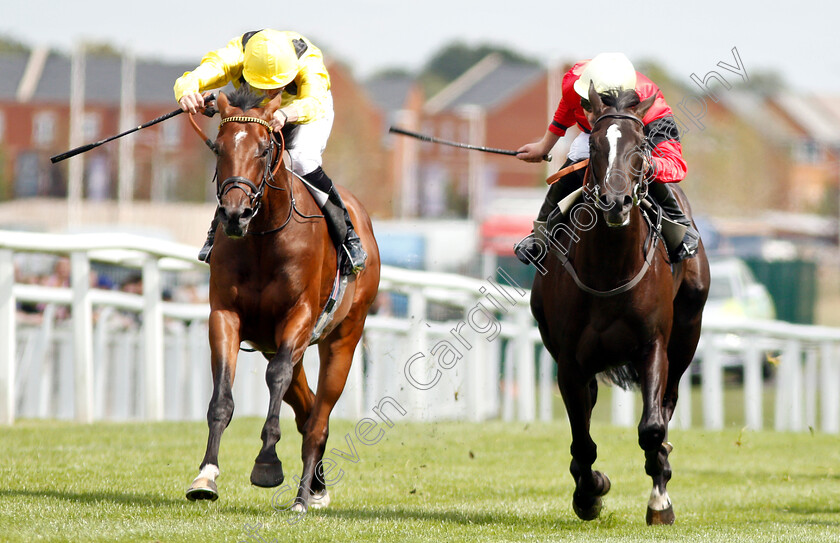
422 482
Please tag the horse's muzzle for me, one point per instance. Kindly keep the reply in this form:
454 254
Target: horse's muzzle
235 220
616 210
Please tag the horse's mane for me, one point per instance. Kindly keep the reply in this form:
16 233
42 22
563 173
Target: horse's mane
244 98
621 100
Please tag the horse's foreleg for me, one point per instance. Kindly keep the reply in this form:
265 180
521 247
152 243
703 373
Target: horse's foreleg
653 433
336 357
224 347
579 396
268 470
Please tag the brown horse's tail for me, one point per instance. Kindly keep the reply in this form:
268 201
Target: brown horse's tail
624 376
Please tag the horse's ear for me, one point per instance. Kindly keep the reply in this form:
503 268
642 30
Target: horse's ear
273 105
595 100
641 109
223 105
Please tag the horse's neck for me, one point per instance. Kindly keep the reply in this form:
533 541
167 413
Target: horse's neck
611 252
276 204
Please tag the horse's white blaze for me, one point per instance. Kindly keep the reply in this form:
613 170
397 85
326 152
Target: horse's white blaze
241 135
659 502
209 472
613 133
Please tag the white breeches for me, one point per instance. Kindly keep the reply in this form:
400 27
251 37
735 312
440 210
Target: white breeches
311 140
579 148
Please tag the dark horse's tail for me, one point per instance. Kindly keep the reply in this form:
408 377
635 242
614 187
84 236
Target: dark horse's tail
624 376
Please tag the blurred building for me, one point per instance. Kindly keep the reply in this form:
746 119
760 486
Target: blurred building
168 179
35 124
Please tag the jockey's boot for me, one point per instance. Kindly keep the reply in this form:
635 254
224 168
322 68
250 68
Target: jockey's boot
204 253
339 224
664 196
527 249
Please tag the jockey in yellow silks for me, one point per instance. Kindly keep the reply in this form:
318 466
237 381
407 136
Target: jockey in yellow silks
273 62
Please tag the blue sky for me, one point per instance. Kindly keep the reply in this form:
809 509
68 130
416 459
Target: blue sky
797 39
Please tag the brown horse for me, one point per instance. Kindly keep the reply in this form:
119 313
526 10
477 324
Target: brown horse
271 275
612 303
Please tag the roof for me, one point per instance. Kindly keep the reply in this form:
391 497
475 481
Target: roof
487 84
816 116
12 67
103 75
390 92
754 109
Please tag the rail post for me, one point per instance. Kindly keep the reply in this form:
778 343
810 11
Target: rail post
82 315
8 338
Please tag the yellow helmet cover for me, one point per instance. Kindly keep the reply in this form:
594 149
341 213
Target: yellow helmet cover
270 60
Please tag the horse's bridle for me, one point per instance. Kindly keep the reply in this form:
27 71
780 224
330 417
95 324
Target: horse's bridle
273 161
595 192
650 242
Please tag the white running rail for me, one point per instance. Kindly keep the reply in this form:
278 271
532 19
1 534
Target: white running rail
449 347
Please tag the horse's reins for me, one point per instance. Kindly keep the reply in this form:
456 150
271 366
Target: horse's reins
650 241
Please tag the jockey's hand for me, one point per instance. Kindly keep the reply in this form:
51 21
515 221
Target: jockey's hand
278 120
531 152
191 102
283 116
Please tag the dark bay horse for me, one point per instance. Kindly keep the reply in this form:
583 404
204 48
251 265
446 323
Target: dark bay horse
271 275
616 305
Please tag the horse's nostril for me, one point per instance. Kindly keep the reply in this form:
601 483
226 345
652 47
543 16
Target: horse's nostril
247 213
628 200
223 213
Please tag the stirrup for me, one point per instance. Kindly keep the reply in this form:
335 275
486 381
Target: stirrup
206 250
353 260
529 249
204 253
685 249
524 248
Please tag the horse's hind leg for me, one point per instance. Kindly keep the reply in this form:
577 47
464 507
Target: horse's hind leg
579 396
653 432
268 470
224 347
336 357
302 399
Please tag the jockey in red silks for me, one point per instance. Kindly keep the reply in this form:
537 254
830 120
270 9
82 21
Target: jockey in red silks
611 72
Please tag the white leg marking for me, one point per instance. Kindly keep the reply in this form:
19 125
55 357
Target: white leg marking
659 502
209 472
319 500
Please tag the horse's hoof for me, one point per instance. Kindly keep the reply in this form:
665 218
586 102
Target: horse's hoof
267 475
603 483
298 507
593 509
319 500
655 518
202 489
589 513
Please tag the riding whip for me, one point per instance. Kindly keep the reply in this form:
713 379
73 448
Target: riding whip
423 137
89 146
